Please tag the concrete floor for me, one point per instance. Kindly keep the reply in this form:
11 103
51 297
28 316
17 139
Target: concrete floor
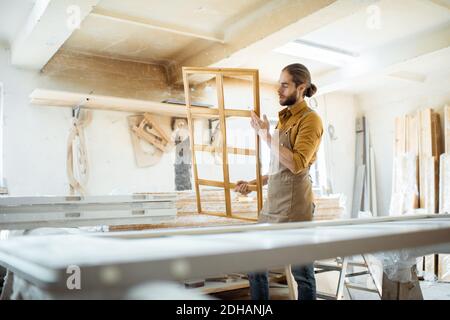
431 290
435 290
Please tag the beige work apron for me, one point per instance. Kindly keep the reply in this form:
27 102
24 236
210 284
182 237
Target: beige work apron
290 197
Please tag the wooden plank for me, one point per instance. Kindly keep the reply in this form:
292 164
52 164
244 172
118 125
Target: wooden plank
412 134
223 71
191 138
427 191
399 167
438 145
213 112
444 184
217 287
55 98
412 150
149 138
427 186
155 125
430 264
206 148
256 102
213 200
444 267
245 218
143 159
211 183
430 147
223 130
404 197
436 135
447 129
425 132
196 283
237 113
221 184
224 215
90 101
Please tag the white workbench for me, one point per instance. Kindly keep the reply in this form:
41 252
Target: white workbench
112 263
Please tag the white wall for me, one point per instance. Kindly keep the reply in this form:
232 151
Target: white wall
381 108
339 110
35 140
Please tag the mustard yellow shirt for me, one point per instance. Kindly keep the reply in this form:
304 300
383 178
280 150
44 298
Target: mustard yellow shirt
306 133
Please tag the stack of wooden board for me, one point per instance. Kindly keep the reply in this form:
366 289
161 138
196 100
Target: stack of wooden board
213 200
444 182
415 179
417 184
327 207
75 211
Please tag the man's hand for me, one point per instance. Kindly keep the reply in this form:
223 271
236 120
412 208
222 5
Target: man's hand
262 127
242 187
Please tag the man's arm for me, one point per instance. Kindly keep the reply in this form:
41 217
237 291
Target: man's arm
262 128
242 186
285 155
264 180
307 142
305 145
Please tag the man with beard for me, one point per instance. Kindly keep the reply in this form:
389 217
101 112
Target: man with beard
293 146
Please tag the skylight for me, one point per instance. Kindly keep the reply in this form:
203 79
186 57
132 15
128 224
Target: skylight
317 52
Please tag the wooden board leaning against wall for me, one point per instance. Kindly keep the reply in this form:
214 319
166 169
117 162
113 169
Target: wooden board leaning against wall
444 193
417 149
421 173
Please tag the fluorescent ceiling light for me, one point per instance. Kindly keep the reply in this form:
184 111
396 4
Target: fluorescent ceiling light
318 52
410 76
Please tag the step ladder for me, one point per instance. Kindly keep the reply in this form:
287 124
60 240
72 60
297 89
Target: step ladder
341 265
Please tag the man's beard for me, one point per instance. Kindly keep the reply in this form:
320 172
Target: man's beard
291 100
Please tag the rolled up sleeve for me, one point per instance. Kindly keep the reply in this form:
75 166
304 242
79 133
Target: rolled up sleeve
307 141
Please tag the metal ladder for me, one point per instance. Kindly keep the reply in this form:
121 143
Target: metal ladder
341 266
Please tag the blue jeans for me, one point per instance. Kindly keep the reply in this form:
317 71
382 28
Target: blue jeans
303 275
